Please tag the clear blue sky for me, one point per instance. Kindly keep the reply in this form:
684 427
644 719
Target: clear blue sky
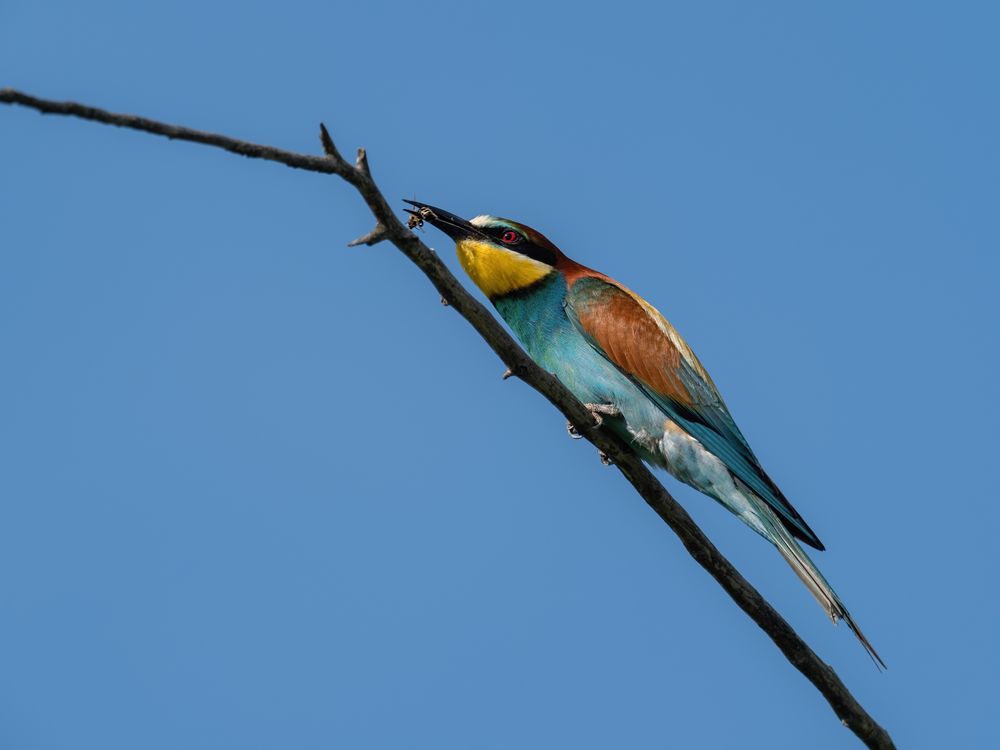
262 491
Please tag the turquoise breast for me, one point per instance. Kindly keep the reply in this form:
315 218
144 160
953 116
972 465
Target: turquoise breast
537 316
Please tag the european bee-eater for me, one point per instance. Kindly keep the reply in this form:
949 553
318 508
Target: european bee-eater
632 369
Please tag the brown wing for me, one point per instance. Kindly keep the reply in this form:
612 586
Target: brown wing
646 348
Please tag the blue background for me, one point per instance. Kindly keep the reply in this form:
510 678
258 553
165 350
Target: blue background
259 490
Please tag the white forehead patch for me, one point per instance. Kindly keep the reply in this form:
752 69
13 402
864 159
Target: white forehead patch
482 221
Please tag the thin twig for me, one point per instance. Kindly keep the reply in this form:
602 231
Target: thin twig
803 658
372 238
361 163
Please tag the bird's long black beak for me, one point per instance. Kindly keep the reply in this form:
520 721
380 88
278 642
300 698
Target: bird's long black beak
454 226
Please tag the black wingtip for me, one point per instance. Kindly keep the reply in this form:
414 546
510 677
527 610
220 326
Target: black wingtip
814 542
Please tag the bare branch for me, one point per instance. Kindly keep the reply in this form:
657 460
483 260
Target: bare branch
372 238
177 132
803 658
361 163
328 147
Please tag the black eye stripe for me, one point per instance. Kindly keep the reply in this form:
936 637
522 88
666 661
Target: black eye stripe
522 245
501 230
541 254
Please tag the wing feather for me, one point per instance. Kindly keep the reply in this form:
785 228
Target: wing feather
638 340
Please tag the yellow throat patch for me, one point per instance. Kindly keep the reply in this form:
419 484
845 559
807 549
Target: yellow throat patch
496 270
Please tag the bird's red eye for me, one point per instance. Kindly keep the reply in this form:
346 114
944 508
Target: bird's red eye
509 237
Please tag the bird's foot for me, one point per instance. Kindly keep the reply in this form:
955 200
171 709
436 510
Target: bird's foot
596 410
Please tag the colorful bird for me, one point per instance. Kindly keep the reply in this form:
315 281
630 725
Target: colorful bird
632 369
